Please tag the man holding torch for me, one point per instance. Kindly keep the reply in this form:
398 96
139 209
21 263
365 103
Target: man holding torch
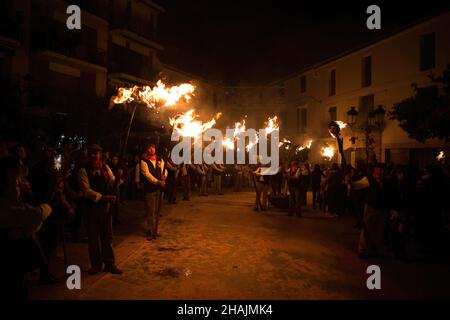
154 175
96 180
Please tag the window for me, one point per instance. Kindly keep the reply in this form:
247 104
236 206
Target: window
301 120
365 106
303 84
427 51
333 113
366 71
332 82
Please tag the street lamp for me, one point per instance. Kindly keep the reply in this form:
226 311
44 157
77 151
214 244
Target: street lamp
374 122
352 116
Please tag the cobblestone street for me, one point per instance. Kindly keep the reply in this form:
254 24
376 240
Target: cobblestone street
217 247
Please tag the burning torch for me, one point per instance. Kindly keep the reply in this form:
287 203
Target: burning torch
334 128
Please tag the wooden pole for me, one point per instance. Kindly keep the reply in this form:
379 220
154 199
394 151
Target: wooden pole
125 145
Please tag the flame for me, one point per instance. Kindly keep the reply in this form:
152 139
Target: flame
239 128
341 124
308 146
187 126
440 156
125 95
151 96
228 143
272 125
284 142
251 144
327 152
173 94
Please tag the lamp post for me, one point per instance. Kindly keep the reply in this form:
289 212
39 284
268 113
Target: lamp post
374 122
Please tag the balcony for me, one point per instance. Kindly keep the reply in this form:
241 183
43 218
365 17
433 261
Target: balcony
50 35
123 60
137 25
94 7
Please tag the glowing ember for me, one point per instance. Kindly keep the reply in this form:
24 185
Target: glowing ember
187 126
327 152
440 156
150 96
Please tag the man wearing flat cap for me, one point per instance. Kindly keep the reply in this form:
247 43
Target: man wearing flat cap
153 175
96 180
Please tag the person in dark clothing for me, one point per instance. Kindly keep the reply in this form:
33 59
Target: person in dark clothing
375 213
294 182
76 196
395 193
19 222
118 172
96 181
171 181
44 180
334 184
432 188
305 182
357 196
316 180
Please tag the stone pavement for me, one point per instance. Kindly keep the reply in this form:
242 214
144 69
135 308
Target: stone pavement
217 247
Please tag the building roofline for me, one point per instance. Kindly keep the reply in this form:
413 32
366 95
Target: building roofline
362 46
190 75
154 5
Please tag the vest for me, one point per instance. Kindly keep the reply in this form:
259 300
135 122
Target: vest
97 181
154 171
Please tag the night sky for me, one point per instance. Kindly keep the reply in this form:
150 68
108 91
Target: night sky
251 42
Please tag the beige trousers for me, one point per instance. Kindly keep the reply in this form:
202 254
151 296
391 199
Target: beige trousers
152 206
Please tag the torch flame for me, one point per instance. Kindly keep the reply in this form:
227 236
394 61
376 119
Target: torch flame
308 146
228 143
341 124
440 156
327 152
151 96
187 126
283 142
272 125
